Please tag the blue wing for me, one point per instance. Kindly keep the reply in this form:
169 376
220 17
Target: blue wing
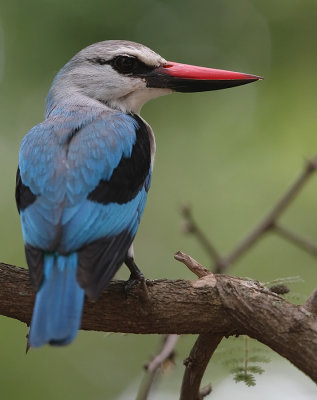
83 183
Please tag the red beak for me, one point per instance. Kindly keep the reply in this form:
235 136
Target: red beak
190 78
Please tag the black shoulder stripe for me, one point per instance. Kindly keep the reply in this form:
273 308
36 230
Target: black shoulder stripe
129 176
23 195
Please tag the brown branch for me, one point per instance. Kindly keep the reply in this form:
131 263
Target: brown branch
165 352
147 384
270 220
191 226
153 367
194 266
205 345
268 223
169 340
311 303
196 365
296 239
220 306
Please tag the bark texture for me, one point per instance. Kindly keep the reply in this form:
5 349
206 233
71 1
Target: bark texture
217 305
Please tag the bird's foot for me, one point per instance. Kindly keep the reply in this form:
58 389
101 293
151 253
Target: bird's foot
136 279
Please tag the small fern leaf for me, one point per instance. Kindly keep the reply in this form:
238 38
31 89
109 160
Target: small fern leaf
258 359
248 379
255 369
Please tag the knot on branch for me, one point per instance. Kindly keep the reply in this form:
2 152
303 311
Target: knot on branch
311 303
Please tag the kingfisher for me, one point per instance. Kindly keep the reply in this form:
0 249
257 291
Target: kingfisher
84 174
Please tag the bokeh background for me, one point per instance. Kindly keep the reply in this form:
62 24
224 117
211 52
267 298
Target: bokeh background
230 154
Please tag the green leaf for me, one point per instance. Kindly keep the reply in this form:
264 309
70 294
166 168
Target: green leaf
248 379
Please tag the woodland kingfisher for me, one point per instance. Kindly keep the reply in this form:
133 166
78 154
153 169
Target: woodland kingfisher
85 171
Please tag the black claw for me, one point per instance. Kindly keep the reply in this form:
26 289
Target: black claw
136 277
129 285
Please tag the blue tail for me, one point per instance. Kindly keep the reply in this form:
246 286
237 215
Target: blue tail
58 304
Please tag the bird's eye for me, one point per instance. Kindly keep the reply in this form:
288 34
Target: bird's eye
125 64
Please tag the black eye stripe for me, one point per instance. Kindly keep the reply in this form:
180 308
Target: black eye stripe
125 65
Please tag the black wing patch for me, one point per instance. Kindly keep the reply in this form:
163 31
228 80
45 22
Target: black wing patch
128 177
100 260
23 195
34 259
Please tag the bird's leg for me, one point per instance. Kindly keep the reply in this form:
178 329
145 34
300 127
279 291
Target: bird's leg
136 276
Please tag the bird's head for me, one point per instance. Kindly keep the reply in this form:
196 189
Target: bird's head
125 75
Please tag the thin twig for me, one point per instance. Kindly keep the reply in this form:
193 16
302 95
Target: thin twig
192 227
294 238
147 384
246 354
204 347
153 368
221 264
194 266
165 353
268 223
169 341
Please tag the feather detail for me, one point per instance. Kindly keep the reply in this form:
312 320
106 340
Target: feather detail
58 304
82 185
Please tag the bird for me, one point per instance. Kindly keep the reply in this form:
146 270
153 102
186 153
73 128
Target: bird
84 174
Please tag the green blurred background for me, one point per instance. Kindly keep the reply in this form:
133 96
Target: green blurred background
230 154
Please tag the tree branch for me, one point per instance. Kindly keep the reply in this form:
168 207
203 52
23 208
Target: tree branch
296 239
267 224
191 226
218 305
196 365
154 367
166 352
205 345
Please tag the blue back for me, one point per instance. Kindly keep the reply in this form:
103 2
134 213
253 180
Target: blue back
62 160
82 184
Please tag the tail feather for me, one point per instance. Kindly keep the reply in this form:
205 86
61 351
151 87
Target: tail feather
58 304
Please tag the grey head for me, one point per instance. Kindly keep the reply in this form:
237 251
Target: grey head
124 75
112 73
